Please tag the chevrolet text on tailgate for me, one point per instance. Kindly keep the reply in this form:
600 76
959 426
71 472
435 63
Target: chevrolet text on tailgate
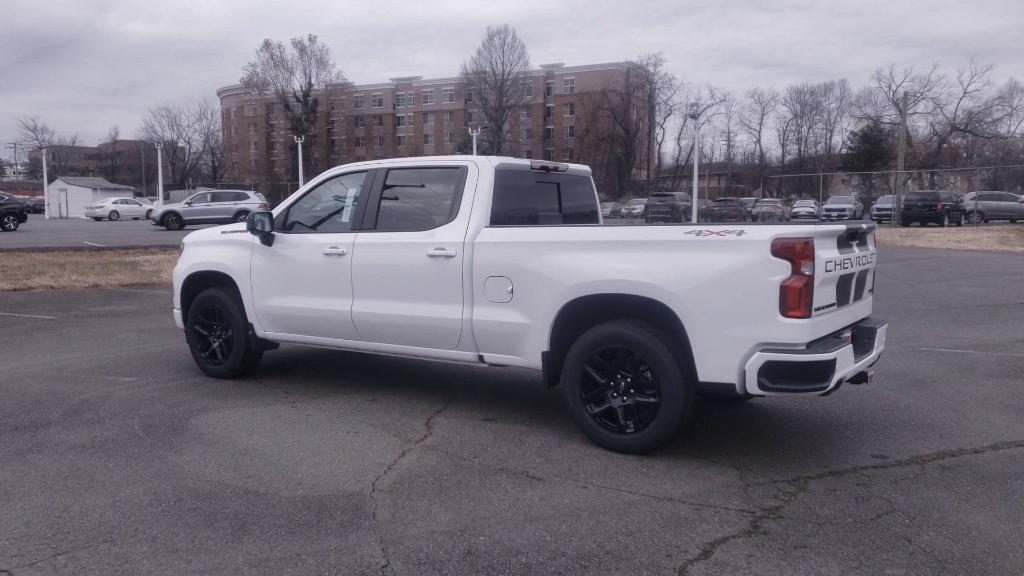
504 262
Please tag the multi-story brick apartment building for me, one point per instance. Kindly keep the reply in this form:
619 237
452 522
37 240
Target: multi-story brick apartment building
408 116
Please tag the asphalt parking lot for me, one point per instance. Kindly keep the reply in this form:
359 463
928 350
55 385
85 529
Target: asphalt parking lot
39 232
117 456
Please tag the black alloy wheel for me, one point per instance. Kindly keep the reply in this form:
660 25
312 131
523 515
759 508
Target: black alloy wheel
619 390
241 216
625 387
9 222
216 331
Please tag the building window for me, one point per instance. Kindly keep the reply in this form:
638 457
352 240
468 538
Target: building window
549 111
250 109
377 100
428 117
549 153
569 85
469 117
567 154
234 112
525 154
253 165
400 121
357 102
334 143
449 96
359 121
272 109
469 95
549 132
234 130
332 125
449 116
569 109
254 146
526 134
428 138
549 87
399 100
273 146
570 131
234 148
380 141
360 141
378 120
524 113
428 97
401 140
449 137
528 90
252 127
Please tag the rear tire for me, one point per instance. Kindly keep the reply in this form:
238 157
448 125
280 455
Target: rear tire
625 388
148 214
960 220
216 331
904 222
240 217
9 222
113 216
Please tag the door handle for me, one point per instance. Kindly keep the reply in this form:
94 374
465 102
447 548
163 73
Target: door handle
334 251
441 253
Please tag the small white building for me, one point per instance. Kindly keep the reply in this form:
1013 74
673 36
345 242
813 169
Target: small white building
67 196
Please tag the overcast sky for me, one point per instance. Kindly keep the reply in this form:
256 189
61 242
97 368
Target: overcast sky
85 65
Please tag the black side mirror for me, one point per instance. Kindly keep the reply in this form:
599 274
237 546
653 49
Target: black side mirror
261 224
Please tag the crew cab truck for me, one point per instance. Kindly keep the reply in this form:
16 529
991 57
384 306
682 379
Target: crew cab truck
504 262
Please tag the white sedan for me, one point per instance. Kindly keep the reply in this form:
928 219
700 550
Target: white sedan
117 208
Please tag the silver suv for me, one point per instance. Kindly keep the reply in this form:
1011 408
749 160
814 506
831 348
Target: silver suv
209 207
984 206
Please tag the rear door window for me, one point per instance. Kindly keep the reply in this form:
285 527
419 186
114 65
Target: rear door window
533 198
417 199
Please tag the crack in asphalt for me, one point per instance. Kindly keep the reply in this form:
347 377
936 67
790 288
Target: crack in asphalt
428 431
799 485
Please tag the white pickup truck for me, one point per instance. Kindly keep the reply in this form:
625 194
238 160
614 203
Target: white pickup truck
505 262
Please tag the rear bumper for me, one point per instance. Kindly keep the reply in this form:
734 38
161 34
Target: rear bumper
821 366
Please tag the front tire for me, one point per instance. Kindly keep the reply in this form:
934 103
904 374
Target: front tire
217 334
148 214
625 388
113 216
173 222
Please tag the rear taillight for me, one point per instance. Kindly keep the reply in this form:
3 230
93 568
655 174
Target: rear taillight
796 293
939 207
263 206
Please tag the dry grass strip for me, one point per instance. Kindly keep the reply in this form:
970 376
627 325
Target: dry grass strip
1004 238
86 269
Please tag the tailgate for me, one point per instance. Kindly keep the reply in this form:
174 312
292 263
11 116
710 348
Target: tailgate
845 259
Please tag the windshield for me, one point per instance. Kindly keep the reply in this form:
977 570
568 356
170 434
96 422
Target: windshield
804 203
885 200
637 202
840 200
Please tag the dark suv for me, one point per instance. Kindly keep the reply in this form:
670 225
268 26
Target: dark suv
12 213
938 206
668 207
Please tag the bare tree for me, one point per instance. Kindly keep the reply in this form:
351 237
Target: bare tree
754 119
662 105
496 76
176 127
210 133
295 75
35 133
112 160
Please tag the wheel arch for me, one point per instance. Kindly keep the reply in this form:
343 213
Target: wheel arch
196 282
584 312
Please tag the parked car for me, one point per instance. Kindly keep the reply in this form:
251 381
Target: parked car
726 210
209 207
634 208
804 210
704 206
502 261
117 208
984 206
768 210
13 212
937 206
842 208
748 207
668 207
882 209
611 210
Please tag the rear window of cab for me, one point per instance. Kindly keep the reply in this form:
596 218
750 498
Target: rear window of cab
534 198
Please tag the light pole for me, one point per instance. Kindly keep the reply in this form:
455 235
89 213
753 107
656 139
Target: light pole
474 134
298 141
694 114
159 174
46 186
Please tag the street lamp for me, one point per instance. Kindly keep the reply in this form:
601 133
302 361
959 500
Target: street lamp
159 174
693 112
298 141
474 134
46 186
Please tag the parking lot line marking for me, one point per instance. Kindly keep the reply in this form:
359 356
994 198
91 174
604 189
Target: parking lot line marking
95 244
971 351
28 315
